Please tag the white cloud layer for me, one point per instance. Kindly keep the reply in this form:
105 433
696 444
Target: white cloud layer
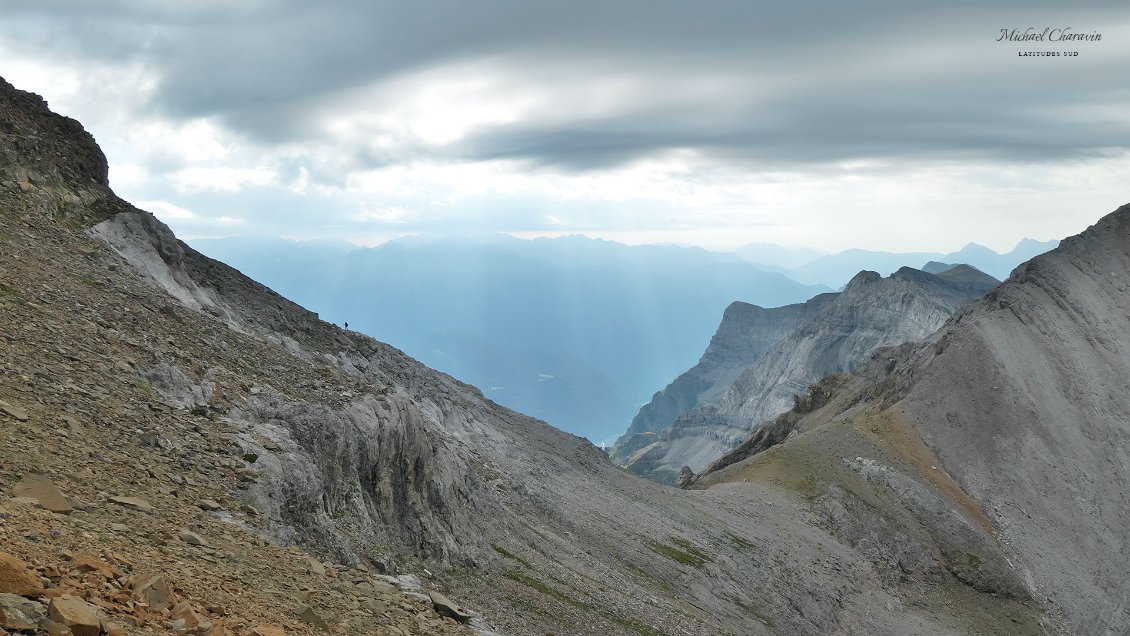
889 127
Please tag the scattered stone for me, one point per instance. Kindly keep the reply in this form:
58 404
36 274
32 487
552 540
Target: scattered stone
249 509
119 527
446 607
133 503
264 629
85 563
17 578
78 504
55 629
19 613
186 614
191 538
208 504
154 590
44 492
13 411
307 615
81 617
314 567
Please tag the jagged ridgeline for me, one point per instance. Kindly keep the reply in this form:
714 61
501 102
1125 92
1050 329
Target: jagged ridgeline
761 358
237 465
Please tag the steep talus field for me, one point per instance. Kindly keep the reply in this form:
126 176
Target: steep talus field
280 475
1018 411
1025 397
832 334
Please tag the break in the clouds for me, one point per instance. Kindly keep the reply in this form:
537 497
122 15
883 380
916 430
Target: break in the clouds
895 125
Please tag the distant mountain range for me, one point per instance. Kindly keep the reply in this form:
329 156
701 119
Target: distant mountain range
835 270
572 330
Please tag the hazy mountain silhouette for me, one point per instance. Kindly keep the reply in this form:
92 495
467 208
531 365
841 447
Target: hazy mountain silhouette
835 270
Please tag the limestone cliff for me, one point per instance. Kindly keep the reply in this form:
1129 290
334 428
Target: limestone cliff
833 334
745 333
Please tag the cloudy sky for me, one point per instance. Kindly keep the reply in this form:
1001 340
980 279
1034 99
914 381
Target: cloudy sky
897 126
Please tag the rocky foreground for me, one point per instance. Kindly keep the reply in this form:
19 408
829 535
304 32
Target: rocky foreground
118 514
234 465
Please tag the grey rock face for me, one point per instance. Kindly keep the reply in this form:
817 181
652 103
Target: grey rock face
832 334
745 334
1025 398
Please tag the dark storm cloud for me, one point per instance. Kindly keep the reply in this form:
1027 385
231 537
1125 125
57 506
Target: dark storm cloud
797 88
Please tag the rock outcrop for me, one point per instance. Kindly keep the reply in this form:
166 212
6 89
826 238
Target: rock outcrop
744 335
830 334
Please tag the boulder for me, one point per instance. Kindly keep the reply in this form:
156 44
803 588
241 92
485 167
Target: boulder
307 615
44 491
133 503
13 411
191 538
17 578
154 590
81 617
183 611
18 613
446 607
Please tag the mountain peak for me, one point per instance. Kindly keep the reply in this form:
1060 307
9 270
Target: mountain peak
54 146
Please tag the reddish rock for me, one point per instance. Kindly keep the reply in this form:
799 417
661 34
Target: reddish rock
85 563
184 611
81 617
17 578
154 591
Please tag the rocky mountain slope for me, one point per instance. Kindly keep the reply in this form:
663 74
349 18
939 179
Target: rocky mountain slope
207 435
1019 407
830 334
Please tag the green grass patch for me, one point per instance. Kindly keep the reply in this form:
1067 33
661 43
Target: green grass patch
740 544
682 551
650 581
542 588
753 611
537 585
8 291
636 626
147 389
509 555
